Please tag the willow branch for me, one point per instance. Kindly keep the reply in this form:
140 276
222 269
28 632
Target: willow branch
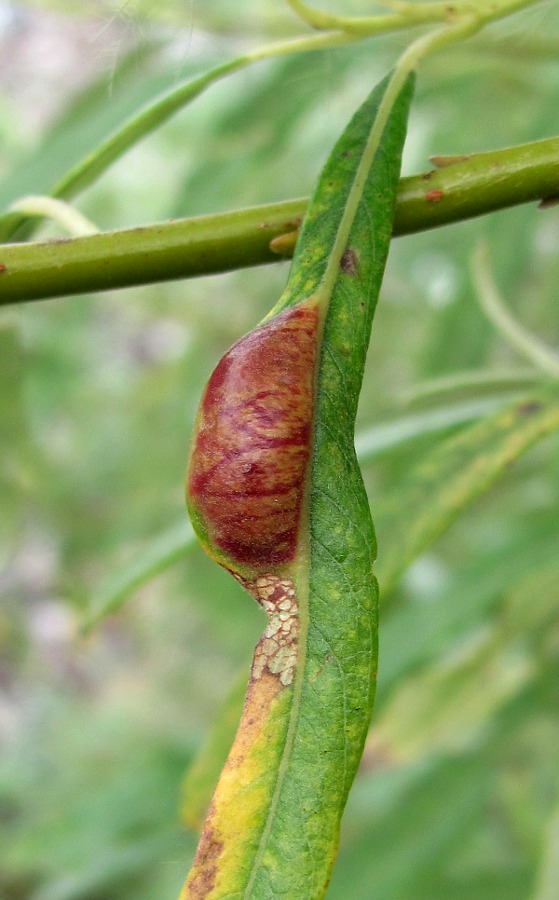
459 188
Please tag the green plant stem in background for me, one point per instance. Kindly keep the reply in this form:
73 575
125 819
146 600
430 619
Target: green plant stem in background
341 31
405 14
418 14
69 218
469 187
464 17
542 356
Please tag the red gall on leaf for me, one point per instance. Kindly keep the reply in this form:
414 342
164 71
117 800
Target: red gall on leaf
252 443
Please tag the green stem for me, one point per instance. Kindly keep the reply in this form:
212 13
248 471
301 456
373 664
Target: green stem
406 15
345 30
65 215
368 25
473 186
155 114
542 356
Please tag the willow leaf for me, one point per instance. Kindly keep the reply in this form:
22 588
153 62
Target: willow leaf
154 114
152 560
15 468
455 474
276 496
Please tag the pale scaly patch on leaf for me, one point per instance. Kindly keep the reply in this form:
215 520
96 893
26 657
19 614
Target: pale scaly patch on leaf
276 652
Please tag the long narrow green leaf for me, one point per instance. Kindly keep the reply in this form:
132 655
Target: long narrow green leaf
13 437
443 708
458 471
426 815
387 436
97 110
140 124
276 496
160 555
548 876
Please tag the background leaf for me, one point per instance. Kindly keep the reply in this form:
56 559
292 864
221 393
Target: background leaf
460 469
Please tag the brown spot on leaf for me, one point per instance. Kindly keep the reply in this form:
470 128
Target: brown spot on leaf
2 267
529 409
434 196
443 162
350 263
205 864
232 809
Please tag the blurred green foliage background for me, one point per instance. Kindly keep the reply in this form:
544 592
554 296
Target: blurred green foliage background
458 796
